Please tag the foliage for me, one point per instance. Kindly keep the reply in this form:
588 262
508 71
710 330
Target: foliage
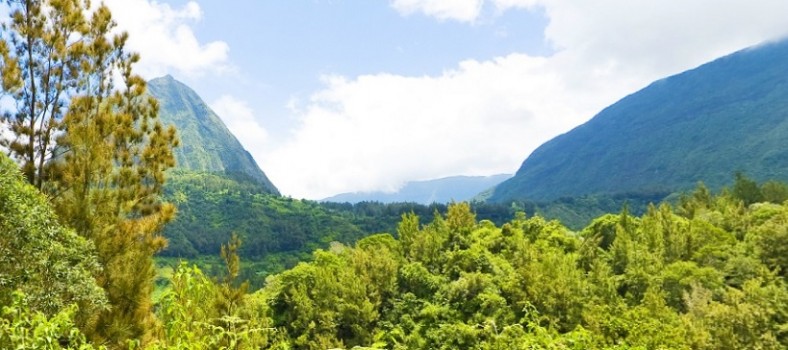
51 264
213 206
23 328
42 64
662 280
279 232
86 134
706 275
194 315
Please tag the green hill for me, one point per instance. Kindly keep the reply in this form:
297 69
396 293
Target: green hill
211 207
705 124
206 143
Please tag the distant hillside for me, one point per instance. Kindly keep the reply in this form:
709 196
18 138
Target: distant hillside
211 207
206 143
277 232
701 125
455 188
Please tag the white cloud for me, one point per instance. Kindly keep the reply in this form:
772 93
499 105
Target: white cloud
163 37
239 118
656 36
377 131
374 132
459 10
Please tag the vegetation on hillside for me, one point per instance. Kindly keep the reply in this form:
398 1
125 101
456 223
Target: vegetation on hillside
206 143
278 232
39 257
707 274
701 125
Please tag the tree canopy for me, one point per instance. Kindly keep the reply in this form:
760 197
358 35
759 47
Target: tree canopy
86 134
666 279
49 263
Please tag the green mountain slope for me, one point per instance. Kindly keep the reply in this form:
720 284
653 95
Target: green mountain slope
277 232
211 207
206 143
701 125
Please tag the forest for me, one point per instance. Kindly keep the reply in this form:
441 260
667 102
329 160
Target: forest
278 232
85 204
708 273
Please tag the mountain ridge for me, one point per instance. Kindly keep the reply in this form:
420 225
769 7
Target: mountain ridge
207 145
704 124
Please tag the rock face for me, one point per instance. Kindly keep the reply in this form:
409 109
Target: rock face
206 143
704 124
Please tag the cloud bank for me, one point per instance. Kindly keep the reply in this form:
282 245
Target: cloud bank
166 42
374 132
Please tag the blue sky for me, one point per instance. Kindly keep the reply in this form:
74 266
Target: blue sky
336 96
282 48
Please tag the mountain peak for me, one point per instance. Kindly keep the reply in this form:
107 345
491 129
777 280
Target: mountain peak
165 80
207 145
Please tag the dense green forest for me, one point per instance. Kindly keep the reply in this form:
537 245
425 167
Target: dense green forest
212 206
708 273
278 232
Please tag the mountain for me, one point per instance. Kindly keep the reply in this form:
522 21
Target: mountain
206 143
455 188
705 124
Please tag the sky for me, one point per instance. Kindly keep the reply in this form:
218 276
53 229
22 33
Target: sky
334 96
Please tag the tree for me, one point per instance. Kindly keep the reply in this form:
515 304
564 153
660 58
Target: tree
86 133
22 328
746 190
230 297
775 191
407 230
50 264
42 49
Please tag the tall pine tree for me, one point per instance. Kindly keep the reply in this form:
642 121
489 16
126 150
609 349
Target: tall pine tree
86 133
